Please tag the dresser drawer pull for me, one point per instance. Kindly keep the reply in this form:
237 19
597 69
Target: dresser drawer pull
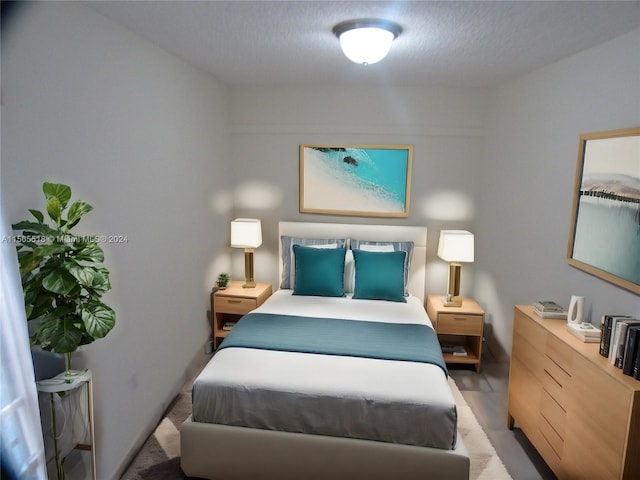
234 301
460 318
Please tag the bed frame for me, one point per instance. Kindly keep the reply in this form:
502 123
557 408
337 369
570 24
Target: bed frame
221 452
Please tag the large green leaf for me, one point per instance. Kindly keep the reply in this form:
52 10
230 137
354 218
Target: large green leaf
28 262
84 275
54 209
76 211
90 253
98 319
59 335
42 306
59 281
58 190
42 251
37 214
101 283
34 227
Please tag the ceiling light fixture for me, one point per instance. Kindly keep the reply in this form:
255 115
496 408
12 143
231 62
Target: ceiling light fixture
367 40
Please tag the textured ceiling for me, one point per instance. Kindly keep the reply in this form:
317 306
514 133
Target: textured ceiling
478 43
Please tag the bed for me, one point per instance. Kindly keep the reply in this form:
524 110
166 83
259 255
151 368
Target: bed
260 412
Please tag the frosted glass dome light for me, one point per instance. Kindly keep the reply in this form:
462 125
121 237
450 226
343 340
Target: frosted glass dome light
366 41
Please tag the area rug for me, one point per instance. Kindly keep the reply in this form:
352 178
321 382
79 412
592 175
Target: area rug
159 458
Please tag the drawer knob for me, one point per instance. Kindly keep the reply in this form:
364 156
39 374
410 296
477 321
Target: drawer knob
235 301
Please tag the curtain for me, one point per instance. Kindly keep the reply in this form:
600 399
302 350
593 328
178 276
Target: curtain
21 435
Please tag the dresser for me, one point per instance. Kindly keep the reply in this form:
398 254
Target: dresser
581 413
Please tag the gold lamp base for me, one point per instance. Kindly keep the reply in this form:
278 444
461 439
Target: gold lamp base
448 301
249 282
453 298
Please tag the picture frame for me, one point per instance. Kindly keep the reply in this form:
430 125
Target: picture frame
357 180
604 238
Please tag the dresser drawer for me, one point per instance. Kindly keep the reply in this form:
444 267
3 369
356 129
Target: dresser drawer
529 356
524 398
556 382
553 413
236 305
459 324
551 436
530 331
560 353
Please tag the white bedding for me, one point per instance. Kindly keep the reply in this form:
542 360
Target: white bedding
393 401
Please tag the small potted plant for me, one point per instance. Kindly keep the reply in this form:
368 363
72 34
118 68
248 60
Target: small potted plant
223 280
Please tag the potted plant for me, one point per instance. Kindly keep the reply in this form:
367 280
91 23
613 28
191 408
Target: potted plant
223 280
62 276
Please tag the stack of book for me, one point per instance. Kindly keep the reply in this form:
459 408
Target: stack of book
549 309
585 331
619 343
457 350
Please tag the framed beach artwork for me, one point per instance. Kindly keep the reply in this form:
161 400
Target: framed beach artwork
604 238
358 180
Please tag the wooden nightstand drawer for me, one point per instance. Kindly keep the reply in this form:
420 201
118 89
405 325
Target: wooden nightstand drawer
235 305
459 324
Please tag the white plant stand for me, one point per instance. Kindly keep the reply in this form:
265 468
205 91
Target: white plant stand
60 383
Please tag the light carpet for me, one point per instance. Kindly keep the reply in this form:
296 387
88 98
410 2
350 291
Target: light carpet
159 458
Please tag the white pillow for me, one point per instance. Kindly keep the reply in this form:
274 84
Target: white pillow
349 272
367 247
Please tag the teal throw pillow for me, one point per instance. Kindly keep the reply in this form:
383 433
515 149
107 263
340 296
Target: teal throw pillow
319 271
379 275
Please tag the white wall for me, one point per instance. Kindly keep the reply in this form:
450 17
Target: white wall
141 136
444 125
532 131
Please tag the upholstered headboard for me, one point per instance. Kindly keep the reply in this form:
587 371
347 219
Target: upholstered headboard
388 233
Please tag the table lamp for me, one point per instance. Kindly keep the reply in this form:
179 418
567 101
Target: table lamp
246 233
455 246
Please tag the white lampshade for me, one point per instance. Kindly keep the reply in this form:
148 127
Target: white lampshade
456 246
366 41
246 233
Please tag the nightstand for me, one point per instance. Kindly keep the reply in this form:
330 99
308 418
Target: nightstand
231 303
462 326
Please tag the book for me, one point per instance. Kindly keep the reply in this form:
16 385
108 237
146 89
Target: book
229 325
619 339
457 350
614 327
604 328
547 306
605 338
631 349
553 314
636 365
460 351
586 332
